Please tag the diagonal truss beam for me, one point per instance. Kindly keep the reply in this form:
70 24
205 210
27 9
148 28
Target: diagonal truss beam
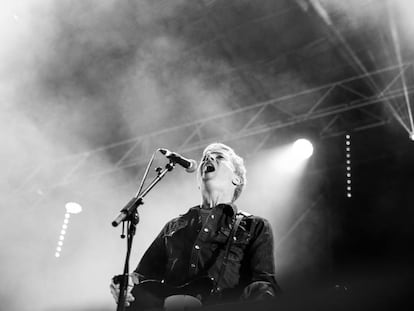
195 135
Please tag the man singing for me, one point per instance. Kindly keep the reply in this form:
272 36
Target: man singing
229 251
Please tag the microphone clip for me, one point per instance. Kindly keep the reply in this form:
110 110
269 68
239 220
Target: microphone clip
190 165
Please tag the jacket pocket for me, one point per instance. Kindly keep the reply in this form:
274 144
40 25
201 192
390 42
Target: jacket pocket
239 244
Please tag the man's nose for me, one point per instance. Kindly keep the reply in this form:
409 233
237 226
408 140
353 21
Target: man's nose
209 157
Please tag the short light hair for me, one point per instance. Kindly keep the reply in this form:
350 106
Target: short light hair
238 164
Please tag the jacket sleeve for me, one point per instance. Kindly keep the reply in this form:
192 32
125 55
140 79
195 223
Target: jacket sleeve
262 282
153 263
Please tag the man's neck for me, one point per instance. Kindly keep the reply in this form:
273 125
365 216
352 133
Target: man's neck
213 198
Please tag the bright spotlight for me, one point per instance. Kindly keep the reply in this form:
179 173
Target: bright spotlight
73 208
412 136
302 149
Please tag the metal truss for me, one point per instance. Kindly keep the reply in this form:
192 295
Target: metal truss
252 125
402 114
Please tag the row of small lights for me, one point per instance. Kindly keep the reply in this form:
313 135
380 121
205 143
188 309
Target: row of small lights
71 208
62 235
348 165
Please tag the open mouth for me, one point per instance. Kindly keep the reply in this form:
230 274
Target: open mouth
209 167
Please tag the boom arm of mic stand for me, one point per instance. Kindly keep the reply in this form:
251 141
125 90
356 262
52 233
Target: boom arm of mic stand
131 207
133 204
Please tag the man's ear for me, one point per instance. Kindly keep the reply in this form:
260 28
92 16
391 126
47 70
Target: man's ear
236 180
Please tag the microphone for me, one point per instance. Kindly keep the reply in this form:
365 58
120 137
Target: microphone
190 165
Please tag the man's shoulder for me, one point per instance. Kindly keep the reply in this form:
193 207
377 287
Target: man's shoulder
254 222
247 215
244 214
179 222
191 212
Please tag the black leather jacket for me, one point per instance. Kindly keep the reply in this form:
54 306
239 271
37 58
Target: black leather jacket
187 249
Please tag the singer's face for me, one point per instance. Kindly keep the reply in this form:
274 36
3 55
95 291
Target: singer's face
217 170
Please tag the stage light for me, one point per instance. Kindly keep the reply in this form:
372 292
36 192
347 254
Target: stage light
73 208
348 165
302 149
412 136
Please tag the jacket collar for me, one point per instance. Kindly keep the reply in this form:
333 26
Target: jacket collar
228 208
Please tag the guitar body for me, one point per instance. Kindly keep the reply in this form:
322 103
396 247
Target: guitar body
152 294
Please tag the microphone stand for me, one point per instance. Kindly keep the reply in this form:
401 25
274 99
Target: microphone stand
130 215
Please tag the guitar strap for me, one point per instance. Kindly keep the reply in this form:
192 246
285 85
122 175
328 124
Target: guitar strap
230 240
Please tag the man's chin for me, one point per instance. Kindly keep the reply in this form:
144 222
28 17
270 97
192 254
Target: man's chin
210 183
207 176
